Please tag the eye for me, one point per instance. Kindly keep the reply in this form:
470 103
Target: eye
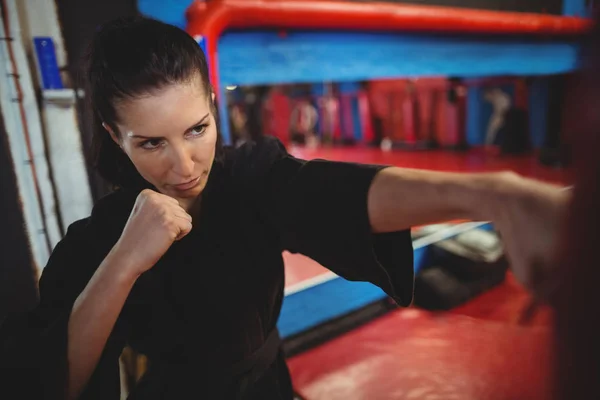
151 144
198 130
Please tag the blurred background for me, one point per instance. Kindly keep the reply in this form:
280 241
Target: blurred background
453 85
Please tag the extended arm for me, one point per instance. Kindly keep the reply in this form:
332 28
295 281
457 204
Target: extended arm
527 213
402 198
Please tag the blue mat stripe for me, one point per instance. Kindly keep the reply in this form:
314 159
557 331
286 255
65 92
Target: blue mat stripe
335 298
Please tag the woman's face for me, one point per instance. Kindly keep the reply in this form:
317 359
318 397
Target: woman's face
170 136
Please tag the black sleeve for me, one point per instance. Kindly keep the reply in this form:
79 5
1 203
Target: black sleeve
33 345
319 209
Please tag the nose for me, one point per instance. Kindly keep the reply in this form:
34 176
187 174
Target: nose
182 162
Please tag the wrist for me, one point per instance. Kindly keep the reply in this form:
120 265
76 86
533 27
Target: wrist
122 265
489 195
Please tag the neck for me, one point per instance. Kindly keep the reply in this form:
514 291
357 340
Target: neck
193 207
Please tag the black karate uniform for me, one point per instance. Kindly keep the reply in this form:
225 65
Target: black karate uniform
208 306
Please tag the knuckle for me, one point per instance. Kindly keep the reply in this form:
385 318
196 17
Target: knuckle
152 200
167 224
166 214
163 214
146 193
510 175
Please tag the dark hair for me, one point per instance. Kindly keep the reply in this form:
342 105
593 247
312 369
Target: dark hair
127 58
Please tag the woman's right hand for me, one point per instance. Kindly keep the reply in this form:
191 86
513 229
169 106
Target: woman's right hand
155 222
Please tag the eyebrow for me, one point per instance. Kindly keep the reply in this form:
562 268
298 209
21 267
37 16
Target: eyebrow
202 120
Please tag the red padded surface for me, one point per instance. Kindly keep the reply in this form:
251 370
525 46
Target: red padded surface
477 352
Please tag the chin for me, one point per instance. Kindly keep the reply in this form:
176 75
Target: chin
190 193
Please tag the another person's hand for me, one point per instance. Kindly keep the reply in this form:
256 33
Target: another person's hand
156 221
528 214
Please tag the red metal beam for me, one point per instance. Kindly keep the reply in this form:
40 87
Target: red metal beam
210 19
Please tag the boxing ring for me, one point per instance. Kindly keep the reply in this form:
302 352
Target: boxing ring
251 42
264 42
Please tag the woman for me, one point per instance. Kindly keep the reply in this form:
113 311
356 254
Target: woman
183 261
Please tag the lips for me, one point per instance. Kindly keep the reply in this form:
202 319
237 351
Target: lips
187 185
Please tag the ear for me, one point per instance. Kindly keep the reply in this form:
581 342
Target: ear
112 133
213 96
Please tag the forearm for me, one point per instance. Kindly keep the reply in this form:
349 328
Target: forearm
93 317
401 198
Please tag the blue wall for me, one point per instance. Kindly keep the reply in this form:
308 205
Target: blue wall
538 111
576 8
169 11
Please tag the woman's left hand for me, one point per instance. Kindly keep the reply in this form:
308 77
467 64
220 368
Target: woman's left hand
528 215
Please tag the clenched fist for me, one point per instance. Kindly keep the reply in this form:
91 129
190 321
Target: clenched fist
155 222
